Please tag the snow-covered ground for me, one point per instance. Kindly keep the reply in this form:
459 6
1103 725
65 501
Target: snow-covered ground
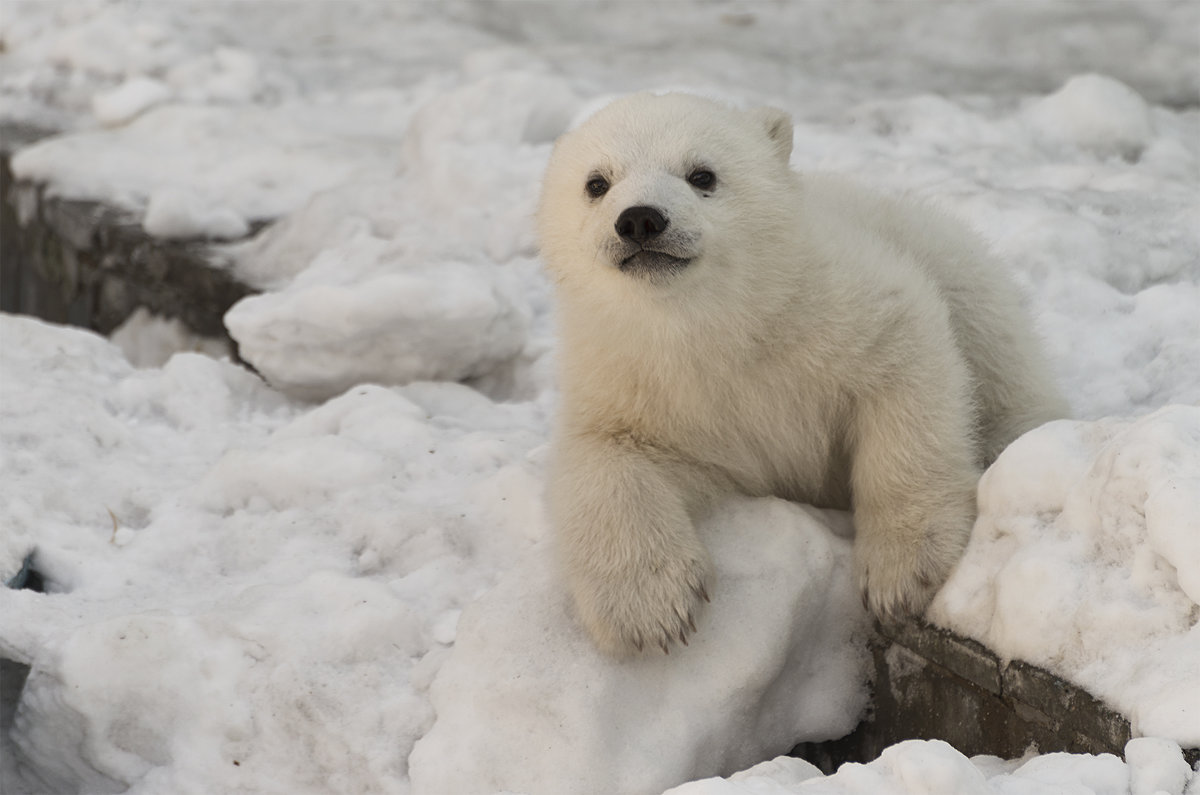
338 581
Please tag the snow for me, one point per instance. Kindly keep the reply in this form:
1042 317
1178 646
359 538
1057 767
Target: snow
183 213
1083 561
740 688
237 165
296 580
934 767
336 577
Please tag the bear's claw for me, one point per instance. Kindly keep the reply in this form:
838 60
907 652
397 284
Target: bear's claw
625 615
900 580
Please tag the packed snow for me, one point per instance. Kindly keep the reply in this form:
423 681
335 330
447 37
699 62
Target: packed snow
335 577
1084 560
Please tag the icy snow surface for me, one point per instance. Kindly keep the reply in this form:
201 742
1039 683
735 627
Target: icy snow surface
337 581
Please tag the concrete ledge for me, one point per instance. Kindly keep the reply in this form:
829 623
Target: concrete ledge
932 684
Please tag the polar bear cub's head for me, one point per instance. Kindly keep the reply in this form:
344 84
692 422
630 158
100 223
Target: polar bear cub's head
657 188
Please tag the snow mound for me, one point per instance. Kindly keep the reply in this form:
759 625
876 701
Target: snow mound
525 703
258 162
1095 112
1083 561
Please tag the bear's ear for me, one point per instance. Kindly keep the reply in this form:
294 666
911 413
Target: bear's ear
778 125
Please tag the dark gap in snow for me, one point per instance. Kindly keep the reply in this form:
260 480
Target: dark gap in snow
27 577
12 680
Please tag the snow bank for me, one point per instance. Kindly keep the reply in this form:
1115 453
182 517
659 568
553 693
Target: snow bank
932 766
526 704
232 578
238 164
1084 561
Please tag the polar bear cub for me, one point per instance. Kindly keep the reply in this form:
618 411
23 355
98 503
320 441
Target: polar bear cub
727 324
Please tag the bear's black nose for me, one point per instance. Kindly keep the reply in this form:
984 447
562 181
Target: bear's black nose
640 224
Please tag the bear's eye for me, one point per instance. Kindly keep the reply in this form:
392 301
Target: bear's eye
596 187
702 178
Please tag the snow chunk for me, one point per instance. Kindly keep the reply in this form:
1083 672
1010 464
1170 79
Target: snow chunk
1083 560
148 340
445 321
179 213
526 703
1156 765
1097 113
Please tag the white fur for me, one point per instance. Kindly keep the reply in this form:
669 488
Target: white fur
823 344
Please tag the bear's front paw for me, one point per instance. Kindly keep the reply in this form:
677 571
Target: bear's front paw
644 604
899 575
